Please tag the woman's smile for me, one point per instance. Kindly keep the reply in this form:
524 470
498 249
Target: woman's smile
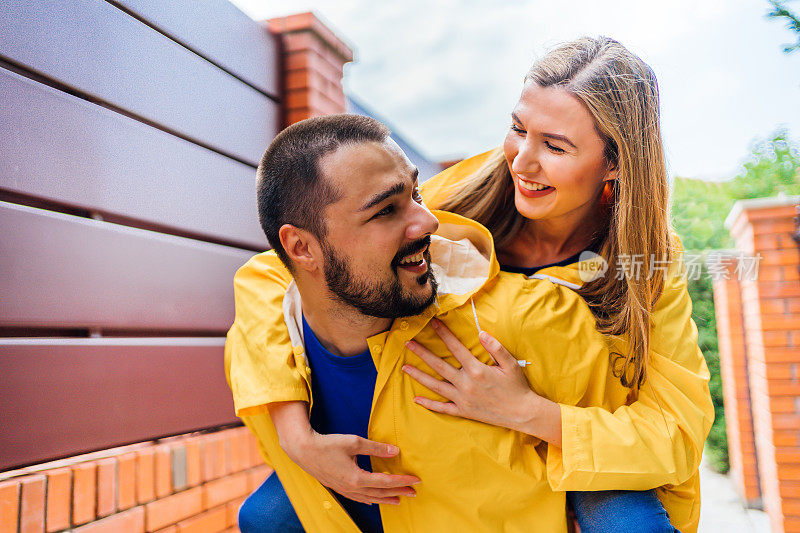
533 189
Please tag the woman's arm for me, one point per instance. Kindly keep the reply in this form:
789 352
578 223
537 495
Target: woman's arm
499 395
654 441
261 366
657 439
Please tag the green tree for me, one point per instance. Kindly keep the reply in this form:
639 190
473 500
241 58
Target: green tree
779 10
773 168
703 314
699 209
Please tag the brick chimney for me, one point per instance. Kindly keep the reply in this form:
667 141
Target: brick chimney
313 63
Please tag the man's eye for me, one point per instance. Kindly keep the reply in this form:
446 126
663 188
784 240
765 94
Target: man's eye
385 211
554 148
517 129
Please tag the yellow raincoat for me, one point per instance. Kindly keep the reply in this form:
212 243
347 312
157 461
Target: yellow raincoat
476 476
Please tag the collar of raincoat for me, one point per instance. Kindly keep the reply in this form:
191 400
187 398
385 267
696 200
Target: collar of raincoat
590 267
462 260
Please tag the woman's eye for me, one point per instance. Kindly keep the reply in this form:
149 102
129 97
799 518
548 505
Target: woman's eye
416 196
517 129
554 148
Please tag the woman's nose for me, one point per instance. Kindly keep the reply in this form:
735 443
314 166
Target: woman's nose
526 160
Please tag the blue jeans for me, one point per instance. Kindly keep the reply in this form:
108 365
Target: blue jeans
268 510
607 511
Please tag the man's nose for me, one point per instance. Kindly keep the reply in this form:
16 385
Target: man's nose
423 223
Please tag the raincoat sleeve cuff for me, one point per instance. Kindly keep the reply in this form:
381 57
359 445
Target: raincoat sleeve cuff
573 461
257 404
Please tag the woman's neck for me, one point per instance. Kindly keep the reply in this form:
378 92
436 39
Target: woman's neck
546 241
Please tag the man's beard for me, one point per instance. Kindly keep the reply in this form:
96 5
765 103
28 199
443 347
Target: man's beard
379 299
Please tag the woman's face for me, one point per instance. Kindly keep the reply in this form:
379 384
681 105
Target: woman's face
555 155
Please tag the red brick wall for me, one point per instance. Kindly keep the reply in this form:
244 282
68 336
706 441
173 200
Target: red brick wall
191 483
736 391
771 318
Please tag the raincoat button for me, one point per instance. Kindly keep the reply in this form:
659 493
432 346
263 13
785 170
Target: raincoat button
327 505
298 350
404 324
308 370
377 349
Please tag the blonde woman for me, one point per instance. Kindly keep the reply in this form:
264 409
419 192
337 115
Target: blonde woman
581 170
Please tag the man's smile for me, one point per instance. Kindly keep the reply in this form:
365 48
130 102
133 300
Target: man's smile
411 257
415 263
415 259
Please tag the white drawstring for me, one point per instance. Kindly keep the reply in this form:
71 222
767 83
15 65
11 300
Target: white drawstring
475 314
520 362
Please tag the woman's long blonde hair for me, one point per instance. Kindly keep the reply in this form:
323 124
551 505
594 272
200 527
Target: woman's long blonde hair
621 93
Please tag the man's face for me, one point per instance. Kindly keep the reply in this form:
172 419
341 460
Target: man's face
376 247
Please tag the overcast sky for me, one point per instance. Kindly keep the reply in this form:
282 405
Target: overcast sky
447 73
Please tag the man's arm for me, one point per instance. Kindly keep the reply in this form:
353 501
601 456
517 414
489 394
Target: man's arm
331 459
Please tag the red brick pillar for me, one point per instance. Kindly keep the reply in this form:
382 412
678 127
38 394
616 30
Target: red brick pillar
771 318
735 386
313 61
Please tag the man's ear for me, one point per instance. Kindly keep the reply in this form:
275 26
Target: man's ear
300 246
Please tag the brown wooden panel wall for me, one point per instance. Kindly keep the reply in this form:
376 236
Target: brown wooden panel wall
129 135
97 49
66 397
122 167
222 38
63 271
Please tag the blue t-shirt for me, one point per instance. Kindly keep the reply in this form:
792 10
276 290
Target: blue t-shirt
342 390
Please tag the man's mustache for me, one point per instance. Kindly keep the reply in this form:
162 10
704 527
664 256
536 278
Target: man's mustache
411 249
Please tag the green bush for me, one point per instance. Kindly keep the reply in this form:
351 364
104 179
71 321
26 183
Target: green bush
703 314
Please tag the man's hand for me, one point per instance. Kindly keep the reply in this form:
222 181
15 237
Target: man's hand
331 459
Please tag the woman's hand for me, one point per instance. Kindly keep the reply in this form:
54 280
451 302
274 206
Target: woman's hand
331 459
499 394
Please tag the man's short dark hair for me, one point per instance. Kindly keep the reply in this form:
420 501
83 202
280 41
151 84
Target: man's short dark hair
290 187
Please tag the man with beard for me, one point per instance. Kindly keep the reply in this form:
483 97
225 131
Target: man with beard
338 200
